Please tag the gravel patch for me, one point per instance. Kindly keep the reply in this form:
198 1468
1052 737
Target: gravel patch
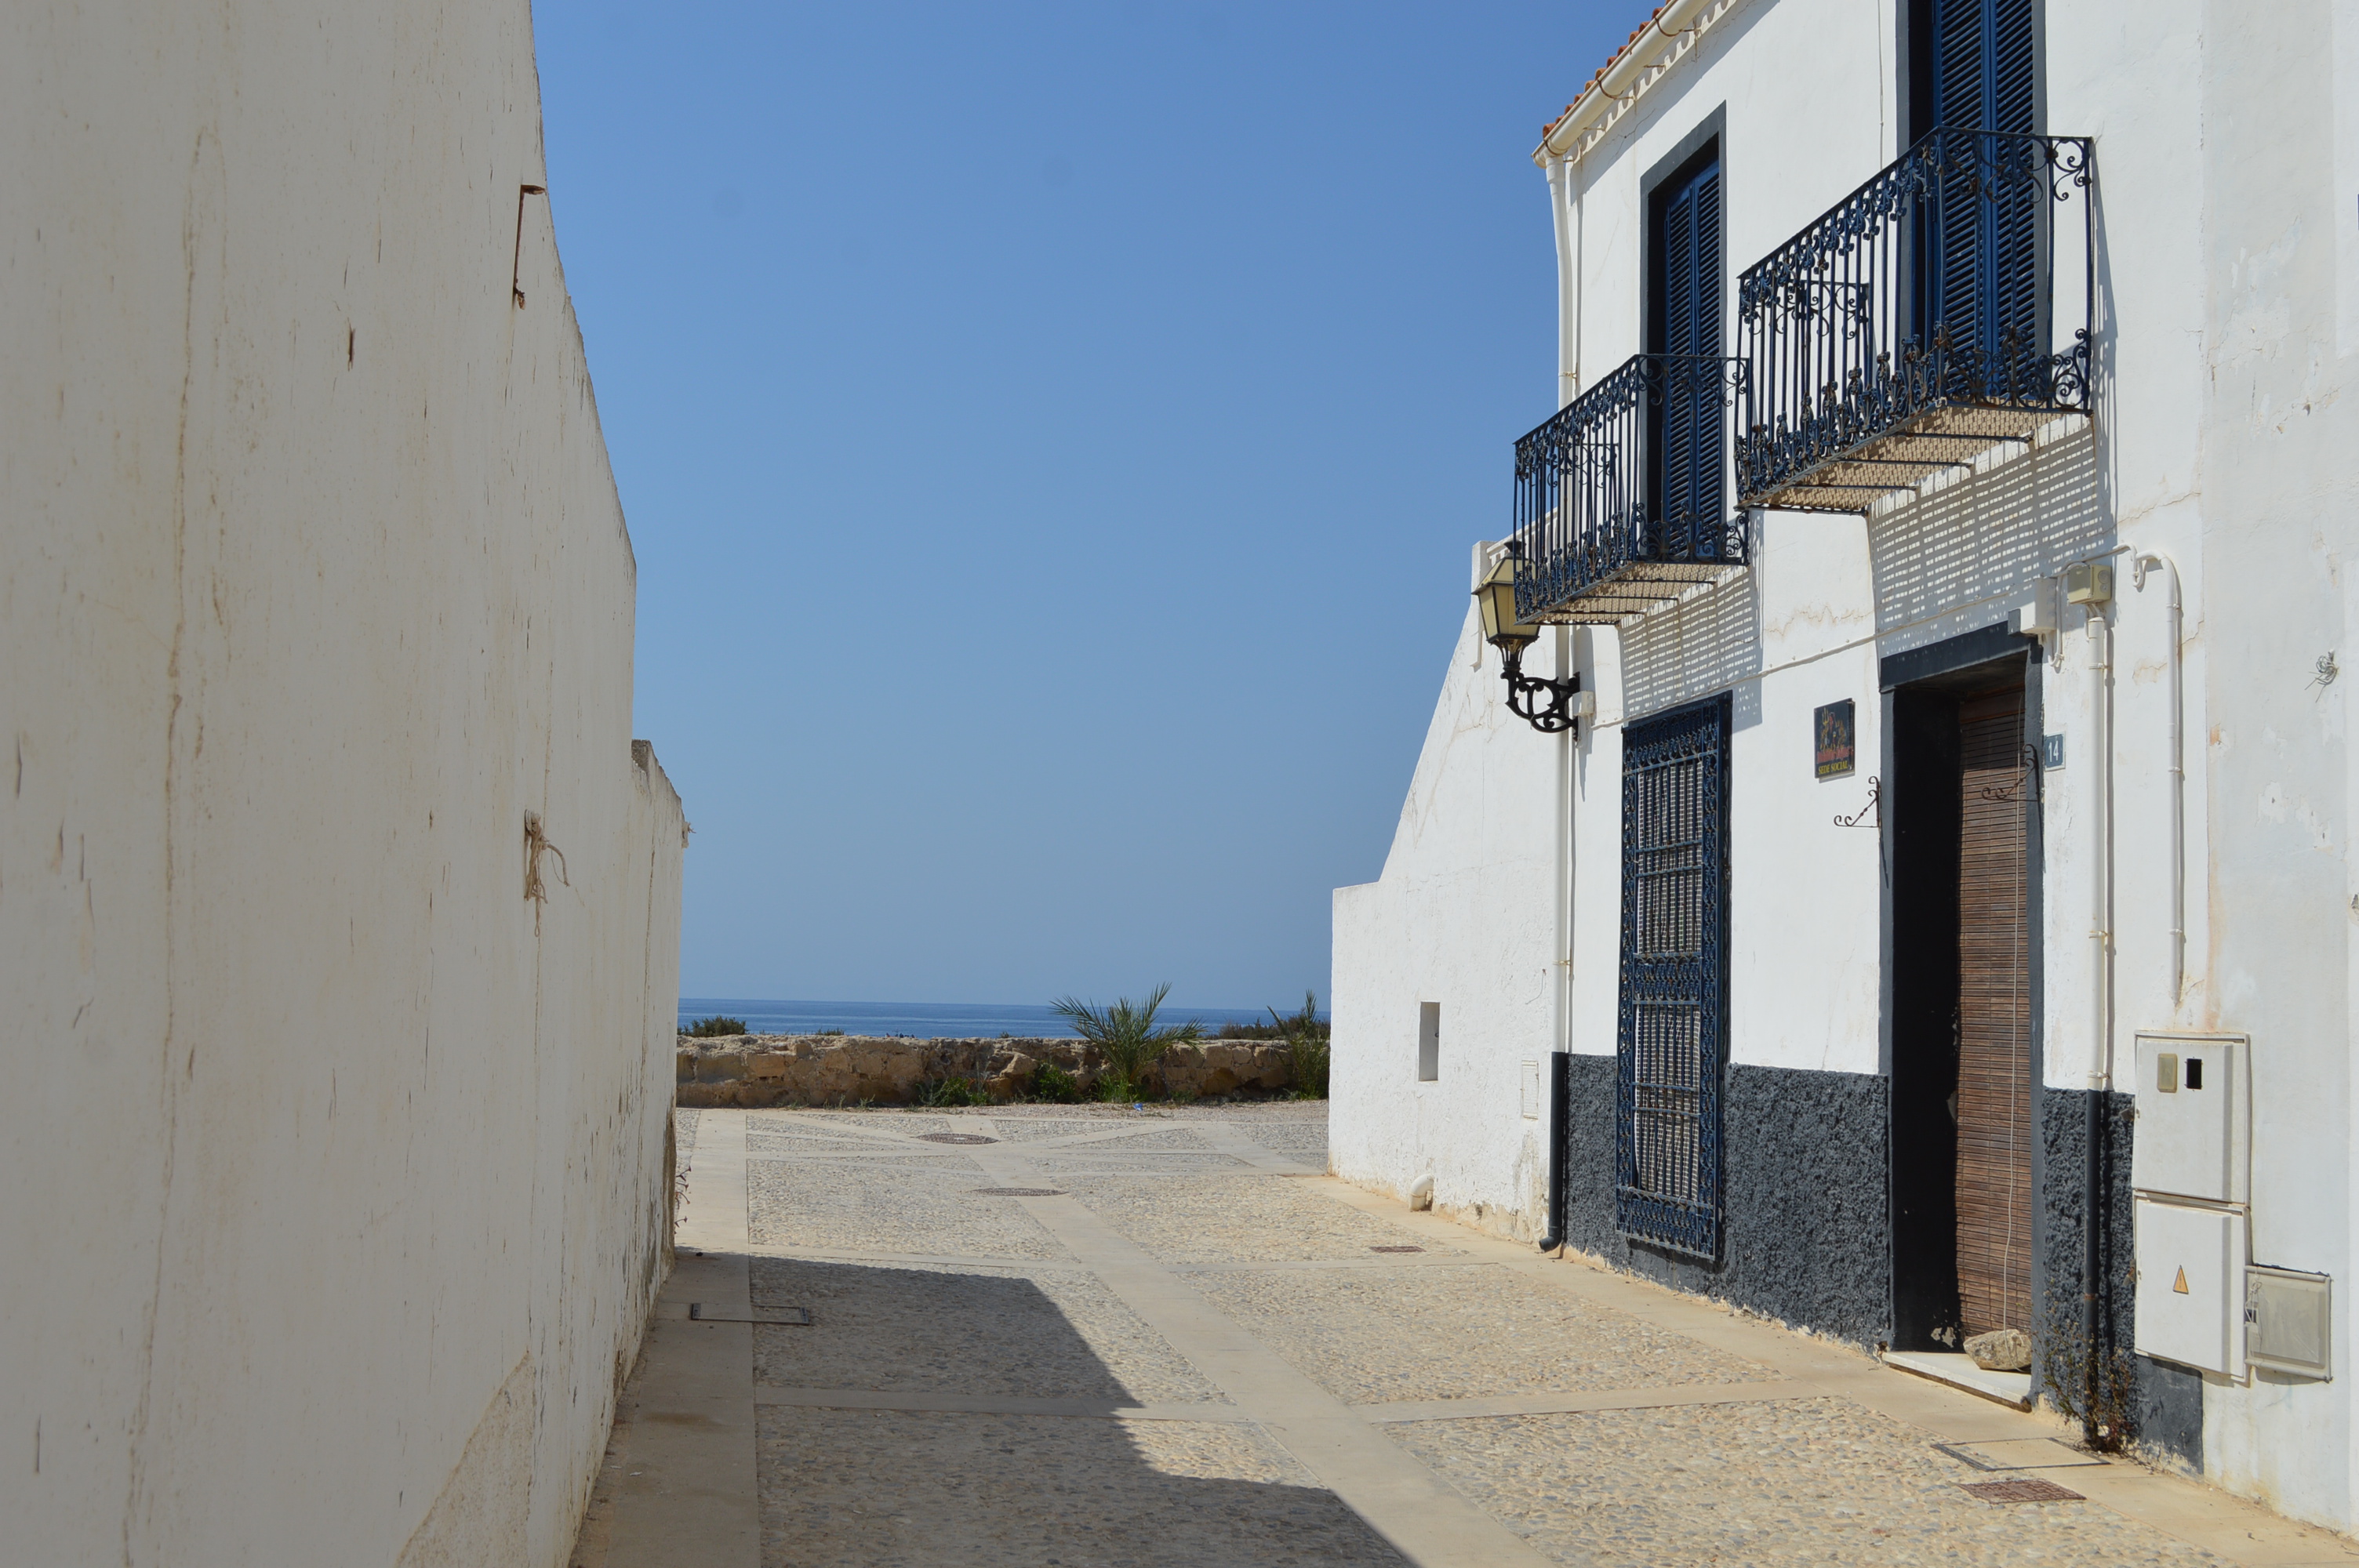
1290 1137
1373 1335
1152 1138
683 1133
1146 1159
1803 1481
1223 1219
931 1328
1033 1129
758 1139
999 1491
956 1165
875 1207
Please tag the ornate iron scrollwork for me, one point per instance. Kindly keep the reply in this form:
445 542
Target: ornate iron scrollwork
1856 328
1588 503
1523 693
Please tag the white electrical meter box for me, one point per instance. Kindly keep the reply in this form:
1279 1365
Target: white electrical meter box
2190 1140
2289 1321
2190 1285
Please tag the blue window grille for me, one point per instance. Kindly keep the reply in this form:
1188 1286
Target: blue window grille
1674 1001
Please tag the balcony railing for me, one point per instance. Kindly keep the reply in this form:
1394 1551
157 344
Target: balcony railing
1621 499
1917 325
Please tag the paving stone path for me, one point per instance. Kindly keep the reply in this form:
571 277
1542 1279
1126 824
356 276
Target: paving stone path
1090 1337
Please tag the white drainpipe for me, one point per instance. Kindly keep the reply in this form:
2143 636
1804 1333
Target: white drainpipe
2139 569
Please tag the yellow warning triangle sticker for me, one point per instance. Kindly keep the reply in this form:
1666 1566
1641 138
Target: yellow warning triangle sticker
2180 1284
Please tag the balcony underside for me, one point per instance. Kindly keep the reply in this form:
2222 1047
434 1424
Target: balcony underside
1953 435
1634 589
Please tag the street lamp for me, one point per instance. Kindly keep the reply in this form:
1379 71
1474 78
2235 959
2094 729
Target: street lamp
1511 636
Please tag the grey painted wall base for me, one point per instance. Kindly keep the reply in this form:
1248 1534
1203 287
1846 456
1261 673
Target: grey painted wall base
1806 1238
2160 1404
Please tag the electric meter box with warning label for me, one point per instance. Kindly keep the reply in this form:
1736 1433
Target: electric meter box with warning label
2190 1285
2191 1138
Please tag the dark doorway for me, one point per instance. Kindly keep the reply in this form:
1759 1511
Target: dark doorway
1962 1060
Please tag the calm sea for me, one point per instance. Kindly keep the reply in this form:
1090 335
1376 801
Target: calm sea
924 1020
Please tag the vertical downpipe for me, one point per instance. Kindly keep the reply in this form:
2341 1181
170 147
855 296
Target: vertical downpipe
2101 1077
2178 744
1558 1135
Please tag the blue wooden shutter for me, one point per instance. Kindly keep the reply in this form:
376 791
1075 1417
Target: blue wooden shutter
1673 1027
1987 276
1692 406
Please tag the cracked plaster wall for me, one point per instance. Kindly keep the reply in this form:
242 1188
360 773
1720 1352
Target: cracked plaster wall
336 1168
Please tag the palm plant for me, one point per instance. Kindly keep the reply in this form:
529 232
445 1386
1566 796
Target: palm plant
1307 1046
1126 1035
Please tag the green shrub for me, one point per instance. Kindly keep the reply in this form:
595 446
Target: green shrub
944 1092
1126 1035
1053 1083
1307 1041
827 1034
715 1027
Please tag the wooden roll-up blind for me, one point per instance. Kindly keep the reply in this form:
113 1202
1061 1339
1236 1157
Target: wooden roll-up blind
1995 1124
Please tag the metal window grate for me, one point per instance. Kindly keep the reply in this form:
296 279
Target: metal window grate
1674 982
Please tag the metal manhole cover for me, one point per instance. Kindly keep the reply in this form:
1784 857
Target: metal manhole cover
1019 1191
1395 1249
954 1137
2023 1491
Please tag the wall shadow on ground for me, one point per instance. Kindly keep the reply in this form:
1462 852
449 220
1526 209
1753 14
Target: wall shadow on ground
844 1487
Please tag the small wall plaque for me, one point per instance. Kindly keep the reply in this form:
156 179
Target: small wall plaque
1837 754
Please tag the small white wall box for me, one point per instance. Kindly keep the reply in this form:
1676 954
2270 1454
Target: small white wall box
2190 1285
2034 615
1531 1091
2091 582
2190 1140
2289 1325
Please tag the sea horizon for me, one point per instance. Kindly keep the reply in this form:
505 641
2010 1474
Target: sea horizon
927 1020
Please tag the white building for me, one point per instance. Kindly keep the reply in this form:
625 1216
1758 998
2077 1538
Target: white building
338 911
1949 518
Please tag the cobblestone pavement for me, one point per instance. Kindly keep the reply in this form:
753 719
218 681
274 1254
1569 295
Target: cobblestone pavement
1100 1337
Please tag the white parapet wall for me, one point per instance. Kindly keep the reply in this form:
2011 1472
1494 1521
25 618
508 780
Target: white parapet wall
336 1165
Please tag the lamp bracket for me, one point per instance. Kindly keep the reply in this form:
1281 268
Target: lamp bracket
1559 711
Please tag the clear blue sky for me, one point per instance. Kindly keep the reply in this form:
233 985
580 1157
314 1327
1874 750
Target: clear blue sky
1051 439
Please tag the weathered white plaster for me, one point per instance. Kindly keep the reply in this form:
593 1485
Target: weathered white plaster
336 1167
2225 234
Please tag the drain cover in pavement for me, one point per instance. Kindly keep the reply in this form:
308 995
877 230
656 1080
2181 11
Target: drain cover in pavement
955 1138
794 1317
1020 1191
1395 1249
2024 1491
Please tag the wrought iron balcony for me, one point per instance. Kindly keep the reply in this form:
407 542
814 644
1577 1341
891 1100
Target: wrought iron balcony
1621 499
1916 325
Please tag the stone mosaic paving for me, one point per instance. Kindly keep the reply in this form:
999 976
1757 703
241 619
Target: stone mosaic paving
994 1490
1373 1335
1797 1481
1046 1333
885 1208
1287 1266
1218 1219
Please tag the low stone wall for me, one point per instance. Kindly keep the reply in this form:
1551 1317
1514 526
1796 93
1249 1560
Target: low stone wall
829 1069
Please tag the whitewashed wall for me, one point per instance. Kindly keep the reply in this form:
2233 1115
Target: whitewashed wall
2228 267
336 1169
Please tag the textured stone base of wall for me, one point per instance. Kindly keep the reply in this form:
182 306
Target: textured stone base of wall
827 1069
1805 1239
